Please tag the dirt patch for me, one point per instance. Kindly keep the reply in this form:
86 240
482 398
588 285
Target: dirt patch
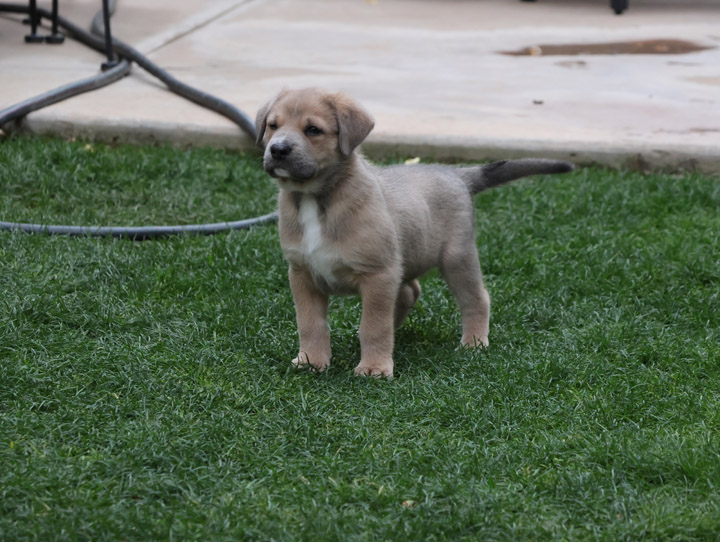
714 81
646 47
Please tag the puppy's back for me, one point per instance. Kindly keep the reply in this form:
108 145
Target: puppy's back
430 204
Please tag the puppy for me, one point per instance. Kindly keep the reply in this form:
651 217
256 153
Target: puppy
347 226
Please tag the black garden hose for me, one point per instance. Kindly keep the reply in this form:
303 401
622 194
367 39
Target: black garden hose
127 54
139 233
64 92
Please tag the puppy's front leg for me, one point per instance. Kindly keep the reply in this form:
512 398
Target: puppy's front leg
378 293
311 309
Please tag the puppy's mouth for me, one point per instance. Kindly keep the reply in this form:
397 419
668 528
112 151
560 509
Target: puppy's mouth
279 173
285 172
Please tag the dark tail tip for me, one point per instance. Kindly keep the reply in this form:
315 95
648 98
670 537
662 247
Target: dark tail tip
536 166
564 167
508 170
498 173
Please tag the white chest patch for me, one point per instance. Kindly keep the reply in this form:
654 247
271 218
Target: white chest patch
318 255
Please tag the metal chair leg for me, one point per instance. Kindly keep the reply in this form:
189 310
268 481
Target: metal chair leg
33 36
111 60
55 37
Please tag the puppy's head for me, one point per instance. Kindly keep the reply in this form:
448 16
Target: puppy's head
307 134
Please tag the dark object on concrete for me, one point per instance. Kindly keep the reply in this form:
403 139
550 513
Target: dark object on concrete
645 47
618 6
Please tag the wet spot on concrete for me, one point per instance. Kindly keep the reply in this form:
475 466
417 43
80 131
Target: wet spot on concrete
691 131
572 64
646 47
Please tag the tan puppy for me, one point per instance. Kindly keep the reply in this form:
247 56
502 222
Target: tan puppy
348 227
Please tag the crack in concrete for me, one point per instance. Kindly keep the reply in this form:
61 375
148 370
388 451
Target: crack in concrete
644 47
190 25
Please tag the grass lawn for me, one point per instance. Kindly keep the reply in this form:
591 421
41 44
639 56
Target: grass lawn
146 390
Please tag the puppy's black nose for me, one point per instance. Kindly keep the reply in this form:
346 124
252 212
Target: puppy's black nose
280 150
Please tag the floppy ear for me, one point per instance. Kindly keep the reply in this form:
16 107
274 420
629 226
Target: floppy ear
354 123
261 122
261 118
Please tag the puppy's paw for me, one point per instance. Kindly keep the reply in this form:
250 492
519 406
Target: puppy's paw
303 361
475 342
377 369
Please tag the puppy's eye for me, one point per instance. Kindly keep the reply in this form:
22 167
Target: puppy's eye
272 125
313 130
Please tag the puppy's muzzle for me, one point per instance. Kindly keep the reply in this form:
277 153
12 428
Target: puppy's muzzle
287 159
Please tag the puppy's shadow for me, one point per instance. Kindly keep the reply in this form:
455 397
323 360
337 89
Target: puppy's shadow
423 347
428 340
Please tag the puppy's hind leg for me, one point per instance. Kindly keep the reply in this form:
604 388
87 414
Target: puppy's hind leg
408 295
461 270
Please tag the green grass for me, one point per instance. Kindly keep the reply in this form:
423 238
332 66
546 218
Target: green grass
146 389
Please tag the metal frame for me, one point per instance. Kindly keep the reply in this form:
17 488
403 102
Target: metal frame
55 37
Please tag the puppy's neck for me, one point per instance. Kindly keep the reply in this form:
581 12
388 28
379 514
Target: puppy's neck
329 181
317 201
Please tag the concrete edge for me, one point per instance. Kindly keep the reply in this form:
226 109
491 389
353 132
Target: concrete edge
632 156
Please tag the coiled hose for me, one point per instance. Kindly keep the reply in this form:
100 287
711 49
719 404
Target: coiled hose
127 55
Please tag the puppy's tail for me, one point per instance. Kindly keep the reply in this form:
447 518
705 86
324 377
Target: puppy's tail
479 178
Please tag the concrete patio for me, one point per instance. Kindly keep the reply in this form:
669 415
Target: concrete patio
431 72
